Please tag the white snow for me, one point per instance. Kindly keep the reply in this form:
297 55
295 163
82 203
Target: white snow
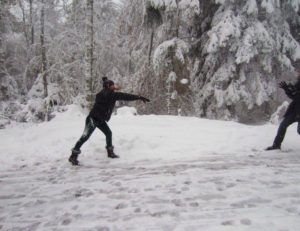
175 173
295 4
251 7
190 5
188 10
270 5
275 118
172 77
161 53
16 11
126 111
167 4
225 25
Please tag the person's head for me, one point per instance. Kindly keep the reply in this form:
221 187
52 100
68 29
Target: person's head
109 84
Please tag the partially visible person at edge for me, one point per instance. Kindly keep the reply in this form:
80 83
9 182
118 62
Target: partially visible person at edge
100 113
292 113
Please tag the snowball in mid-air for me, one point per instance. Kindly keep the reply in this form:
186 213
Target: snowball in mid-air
184 81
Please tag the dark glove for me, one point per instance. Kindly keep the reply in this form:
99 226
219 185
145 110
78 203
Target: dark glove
145 100
283 85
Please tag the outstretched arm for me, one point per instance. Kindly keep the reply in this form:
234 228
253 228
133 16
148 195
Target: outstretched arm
129 97
289 89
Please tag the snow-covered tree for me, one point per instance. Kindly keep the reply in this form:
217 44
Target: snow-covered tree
12 59
247 48
227 55
89 56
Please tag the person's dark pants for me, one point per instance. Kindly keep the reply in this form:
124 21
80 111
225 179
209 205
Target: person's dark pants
286 122
90 126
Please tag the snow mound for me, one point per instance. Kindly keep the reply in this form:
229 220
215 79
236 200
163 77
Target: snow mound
278 114
124 111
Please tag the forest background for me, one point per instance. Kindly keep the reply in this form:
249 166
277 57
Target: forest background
218 59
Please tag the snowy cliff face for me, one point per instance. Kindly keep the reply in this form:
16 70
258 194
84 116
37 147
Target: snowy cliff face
230 55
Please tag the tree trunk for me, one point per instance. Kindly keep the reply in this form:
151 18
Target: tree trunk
43 48
31 21
25 30
150 45
74 11
177 19
89 52
2 69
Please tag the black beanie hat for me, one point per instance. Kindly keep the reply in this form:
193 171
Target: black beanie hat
106 82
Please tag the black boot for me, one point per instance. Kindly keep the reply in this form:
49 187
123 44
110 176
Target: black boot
273 147
74 156
110 152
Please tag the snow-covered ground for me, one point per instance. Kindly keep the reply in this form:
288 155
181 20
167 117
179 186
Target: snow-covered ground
175 173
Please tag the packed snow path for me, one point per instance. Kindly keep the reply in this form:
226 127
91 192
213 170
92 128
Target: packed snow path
175 173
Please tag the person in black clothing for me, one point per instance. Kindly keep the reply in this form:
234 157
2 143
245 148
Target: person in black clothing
100 113
292 113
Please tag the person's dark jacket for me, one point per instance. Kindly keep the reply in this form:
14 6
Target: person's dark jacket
293 92
105 103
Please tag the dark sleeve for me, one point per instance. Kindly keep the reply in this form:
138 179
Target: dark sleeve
125 96
291 91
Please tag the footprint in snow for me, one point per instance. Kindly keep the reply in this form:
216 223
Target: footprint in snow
75 207
118 184
104 228
66 221
121 206
187 182
230 185
246 221
227 223
83 192
292 210
194 204
185 188
178 203
138 210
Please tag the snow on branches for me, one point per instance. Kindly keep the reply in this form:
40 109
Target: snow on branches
225 25
174 48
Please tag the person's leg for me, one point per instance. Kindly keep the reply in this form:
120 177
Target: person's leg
108 134
298 128
286 122
88 130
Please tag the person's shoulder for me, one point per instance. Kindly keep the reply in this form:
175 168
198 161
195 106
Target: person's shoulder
102 94
108 93
99 93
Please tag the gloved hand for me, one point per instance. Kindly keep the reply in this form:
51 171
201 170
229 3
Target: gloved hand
145 100
283 85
